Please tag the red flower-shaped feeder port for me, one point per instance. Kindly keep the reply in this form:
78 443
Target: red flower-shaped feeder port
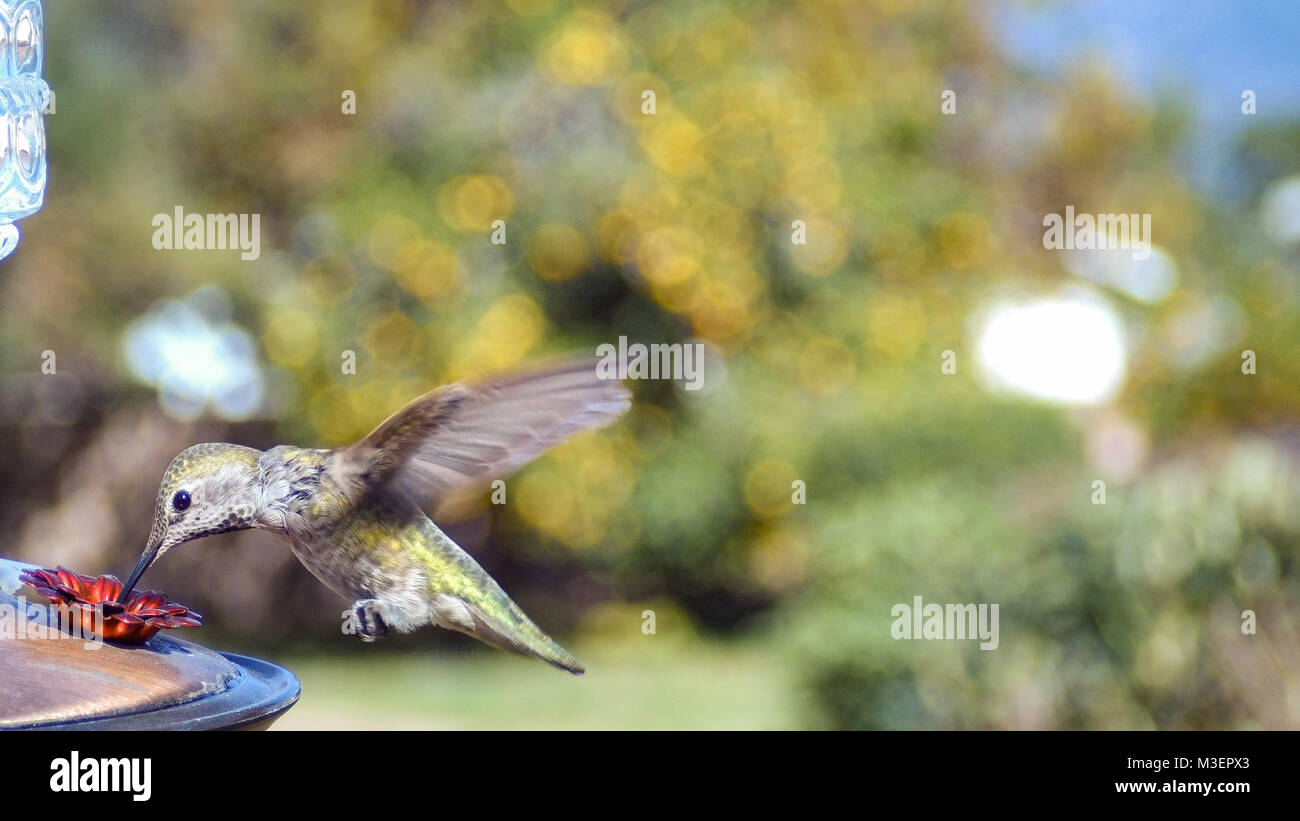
135 621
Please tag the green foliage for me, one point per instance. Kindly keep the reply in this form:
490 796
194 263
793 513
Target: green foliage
1111 616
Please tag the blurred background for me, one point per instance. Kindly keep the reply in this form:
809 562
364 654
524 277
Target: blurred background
924 236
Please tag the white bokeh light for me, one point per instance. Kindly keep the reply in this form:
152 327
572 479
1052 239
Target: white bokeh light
1148 280
1067 349
195 357
1281 211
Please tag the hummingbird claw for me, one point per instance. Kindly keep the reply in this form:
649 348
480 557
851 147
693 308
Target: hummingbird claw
368 619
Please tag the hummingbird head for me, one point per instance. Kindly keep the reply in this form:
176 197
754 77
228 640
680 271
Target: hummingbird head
207 489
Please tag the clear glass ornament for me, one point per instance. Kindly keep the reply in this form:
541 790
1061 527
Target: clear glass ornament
24 98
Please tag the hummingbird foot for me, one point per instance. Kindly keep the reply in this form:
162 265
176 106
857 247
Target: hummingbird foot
370 625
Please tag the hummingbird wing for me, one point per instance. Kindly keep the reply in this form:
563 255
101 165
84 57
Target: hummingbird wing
453 441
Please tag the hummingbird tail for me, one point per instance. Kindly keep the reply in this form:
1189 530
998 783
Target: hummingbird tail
514 633
526 639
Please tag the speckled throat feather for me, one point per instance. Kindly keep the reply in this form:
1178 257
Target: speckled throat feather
295 499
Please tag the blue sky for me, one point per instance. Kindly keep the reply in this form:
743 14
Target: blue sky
1204 52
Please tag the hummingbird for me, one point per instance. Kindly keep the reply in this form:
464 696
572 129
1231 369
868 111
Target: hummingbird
355 516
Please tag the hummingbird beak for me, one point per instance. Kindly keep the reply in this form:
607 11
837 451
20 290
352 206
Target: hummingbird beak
146 559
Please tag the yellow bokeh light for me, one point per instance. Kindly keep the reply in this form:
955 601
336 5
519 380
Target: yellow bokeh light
676 145
545 499
505 334
586 49
652 198
426 269
515 319
679 297
729 231
627 98
720 312
720 39
586 527
740 275
669 255
329 411
368 404
779 557
617 237
963 240
798 126
471 203
291 338
896 324
824 251
812 180
609 474
558 252
389 234
768 487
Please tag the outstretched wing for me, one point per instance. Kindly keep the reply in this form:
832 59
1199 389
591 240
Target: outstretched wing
454 440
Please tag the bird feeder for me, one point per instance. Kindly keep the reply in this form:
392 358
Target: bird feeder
58 673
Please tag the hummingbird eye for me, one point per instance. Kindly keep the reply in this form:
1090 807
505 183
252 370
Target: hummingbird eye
181 501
